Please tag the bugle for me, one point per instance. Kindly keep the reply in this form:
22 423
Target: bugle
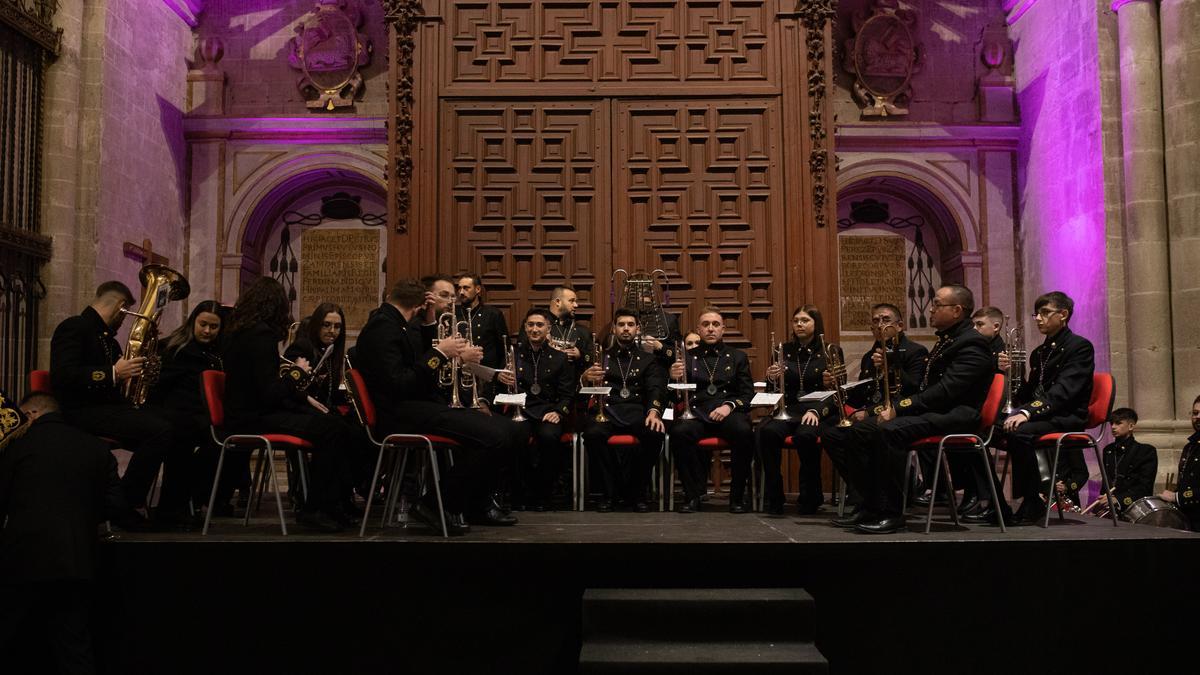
836 368
781 413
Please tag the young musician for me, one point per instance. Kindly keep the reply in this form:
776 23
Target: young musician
400 363
802 365
634 406
322 342
1054 397
259 401
989 322
548 382
1186 494
1131 466
951 391
88 371
721 403
691 340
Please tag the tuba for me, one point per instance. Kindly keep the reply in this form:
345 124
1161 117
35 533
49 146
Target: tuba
162 284
836 368
1015 348
639 294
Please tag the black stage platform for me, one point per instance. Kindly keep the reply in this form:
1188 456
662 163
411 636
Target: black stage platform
1079 595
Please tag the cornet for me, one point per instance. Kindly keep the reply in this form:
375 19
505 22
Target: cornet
1015 349
836 368
777 356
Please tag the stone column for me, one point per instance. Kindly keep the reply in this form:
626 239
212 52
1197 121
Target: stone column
1148 293
1181 114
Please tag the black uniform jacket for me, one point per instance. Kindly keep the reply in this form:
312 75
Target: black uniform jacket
252 384
1131 468
178 386
804 366
488 330
666 353
1188 484
579 332
1060 378
645 380
997 347
725 368
82 353
398 361
555 378
326 377
57 484
907 358
956 379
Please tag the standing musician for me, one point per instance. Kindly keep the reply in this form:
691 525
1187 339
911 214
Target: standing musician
400 364
952 389
1131 466
258 401
1186 495
87 370
488 327
721 404
548 382
635 406
565 330
1054 397
321 341
803 362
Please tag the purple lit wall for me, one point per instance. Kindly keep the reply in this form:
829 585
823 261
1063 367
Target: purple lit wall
1061 174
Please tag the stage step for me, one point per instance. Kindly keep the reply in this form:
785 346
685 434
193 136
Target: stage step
710 630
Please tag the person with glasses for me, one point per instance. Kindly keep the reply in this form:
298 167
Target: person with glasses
321 341
953 387
906 360
1186 494
1054 397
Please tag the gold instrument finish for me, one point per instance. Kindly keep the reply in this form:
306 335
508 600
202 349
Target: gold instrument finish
451 373
836 368
1015 349
162 284
781 413
510 364
889 383
601 359
639 294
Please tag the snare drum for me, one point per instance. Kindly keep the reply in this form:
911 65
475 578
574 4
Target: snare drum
1156 511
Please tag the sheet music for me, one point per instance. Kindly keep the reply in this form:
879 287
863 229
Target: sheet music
668 414
510 399
765 398
593 391
851 385
481 371
677 386
816 395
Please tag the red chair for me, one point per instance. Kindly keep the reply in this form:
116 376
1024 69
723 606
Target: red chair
1104 393
39 380
614 441
364 408
212 383
961 442
712 444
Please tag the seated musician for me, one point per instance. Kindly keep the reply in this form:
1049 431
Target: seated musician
952 389
635 406
87 372
721 403
1186 494
400 364
1131 466
691 340
988 322
803 363
259 401
1054 397
321 341
548 381
189 350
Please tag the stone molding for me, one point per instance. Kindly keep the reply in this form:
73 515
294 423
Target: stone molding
1118 4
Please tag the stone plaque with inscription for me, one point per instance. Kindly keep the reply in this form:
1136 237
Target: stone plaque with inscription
871 271
340 265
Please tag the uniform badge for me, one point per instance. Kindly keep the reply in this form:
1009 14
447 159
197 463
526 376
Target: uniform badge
1036 404
295 374
656 403
1074 485
905 402
97 376
432 362
1128 501
1188 493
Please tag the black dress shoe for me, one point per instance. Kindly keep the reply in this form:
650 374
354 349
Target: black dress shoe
456 525
689 505
808 509
428 516
851 520
316 521
603 506
494 516
981 515
994 519
1027 516
641 507
968 505
737 507
886 525
775 510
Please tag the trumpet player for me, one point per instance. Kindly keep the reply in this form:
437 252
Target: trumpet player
1186 494
799 364
489 330
1131 466
905 359
548 381
635 406
87 371
400 364
721 404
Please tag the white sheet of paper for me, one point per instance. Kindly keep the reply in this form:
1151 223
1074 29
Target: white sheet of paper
851 385
668 414
678 386
765 398
816 395
510 399
592 391
480 371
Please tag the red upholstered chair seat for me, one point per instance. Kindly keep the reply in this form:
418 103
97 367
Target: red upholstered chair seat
292 442
623 439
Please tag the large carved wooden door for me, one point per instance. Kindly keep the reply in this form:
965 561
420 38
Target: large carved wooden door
555 141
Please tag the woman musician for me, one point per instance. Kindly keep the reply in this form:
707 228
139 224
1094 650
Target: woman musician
801 366
321 341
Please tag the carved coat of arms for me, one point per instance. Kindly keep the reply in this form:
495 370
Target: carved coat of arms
883 55
329 50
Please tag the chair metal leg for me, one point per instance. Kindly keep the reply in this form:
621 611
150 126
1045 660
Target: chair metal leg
437 489
662 477
904 486
937 467
362 530
397 487
843 489
949 488
275 486
1112 507
212 494
670 477
992 485
575 480
1051 498
258 484
302 466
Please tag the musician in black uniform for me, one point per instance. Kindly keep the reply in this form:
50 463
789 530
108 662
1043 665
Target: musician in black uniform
488 327
721 403
564 329
400 365
548 381
803 363
188 351
87 371
1054 397
1131 466
635 406
950 393
321 341
1186 494
259 401
906 360
988 322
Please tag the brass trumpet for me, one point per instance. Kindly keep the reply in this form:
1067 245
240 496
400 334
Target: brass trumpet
451 373
687 413
836 368
598 355
1015 349
889 384
510 364
777 355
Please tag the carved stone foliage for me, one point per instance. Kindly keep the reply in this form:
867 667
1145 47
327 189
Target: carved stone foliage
329 50
883 55
404 17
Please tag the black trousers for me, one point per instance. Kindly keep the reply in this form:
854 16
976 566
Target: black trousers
624 470
541 461
806 439
188 469
328 470
56 609
693 461
486 444
147 435
1027 479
